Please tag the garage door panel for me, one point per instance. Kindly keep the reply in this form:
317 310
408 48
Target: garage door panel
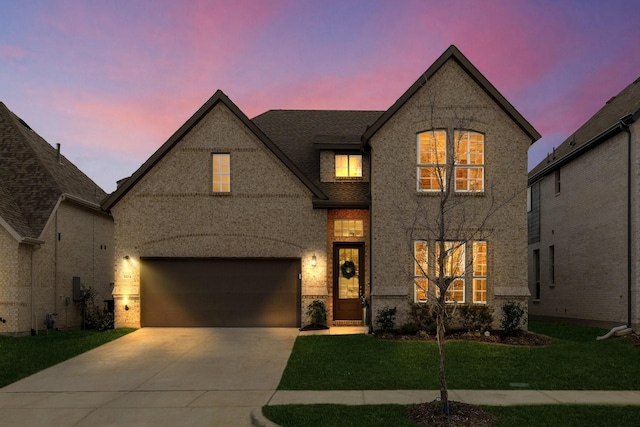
220 292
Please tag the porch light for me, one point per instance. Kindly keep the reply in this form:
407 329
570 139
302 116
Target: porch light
126 257
314 261
126 307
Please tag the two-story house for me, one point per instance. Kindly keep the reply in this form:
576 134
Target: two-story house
239 222
583 221
55 241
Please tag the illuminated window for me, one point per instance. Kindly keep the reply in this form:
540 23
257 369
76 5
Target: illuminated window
453 269
469 164
432 156
348 166
480 272
421 283
348 228
221 173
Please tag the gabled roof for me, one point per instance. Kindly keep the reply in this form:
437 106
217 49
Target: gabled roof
454 54
218 97
33 178
618 113
302 134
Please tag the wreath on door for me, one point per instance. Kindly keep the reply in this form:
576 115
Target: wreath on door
348 269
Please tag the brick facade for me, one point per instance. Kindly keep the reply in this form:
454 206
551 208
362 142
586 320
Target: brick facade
449 95
171 211
37 280
586 223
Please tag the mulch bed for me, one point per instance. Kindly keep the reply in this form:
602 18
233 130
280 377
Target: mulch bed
460 415
521 338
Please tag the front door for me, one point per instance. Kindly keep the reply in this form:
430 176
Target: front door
348 281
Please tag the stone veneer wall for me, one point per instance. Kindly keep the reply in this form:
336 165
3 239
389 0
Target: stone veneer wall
441 103
171 211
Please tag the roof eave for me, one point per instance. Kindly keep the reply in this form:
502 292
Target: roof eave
453 53
603 136
217 97
332 204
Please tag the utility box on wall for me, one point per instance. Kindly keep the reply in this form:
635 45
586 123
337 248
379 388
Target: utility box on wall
78 292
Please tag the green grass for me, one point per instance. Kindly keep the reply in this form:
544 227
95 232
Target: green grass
507 416
574 361
24 356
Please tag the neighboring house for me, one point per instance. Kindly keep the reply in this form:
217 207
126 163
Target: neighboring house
52 233
239 222
584 214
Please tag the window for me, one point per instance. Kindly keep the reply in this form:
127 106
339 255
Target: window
348 228
421 283
552 264
454 269
468 165
557 181
469 161
480 272
432 156
536 267
348 166
221 173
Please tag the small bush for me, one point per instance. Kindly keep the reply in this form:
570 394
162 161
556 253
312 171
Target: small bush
386 318
423 317
476 317
512 317
317 312
94 316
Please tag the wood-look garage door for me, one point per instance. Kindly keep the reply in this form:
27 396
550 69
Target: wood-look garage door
219 292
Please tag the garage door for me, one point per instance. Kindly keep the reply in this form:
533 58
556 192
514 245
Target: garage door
219 292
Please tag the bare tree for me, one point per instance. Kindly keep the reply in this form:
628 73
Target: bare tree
449 224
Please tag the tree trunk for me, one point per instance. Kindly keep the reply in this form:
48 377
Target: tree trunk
444 393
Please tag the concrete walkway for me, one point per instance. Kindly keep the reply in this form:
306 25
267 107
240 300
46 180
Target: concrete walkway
156 377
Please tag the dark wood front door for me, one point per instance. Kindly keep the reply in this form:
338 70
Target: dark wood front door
348 281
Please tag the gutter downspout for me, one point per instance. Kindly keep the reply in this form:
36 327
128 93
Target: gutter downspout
625 128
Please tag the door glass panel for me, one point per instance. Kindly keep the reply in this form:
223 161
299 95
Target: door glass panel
348 276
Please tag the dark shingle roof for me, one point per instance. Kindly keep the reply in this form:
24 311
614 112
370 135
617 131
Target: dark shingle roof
620 110
33 177
300 134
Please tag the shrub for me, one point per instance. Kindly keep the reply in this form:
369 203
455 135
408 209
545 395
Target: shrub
386 318
317 312
512 317
476 317
423 317
95 316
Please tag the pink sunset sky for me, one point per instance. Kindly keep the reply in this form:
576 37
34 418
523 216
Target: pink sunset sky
112 80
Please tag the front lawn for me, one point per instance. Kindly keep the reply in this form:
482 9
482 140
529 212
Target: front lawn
574 361
507 416
24 356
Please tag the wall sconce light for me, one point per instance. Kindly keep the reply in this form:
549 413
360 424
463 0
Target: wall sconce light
126 257
126 307
314 261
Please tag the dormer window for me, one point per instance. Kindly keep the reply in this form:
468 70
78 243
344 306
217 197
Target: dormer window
348 165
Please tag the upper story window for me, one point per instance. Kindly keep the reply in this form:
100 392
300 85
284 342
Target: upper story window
467 164
221 173
432 159
469 161
557 181
348 165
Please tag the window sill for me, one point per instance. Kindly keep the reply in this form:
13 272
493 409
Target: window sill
226 193
536 301
455 193
349 178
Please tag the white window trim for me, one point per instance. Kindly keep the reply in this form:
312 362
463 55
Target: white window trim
437 166
348 176
417 277
466 134
213 155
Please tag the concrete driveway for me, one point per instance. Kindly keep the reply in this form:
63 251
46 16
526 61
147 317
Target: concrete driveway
156 377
